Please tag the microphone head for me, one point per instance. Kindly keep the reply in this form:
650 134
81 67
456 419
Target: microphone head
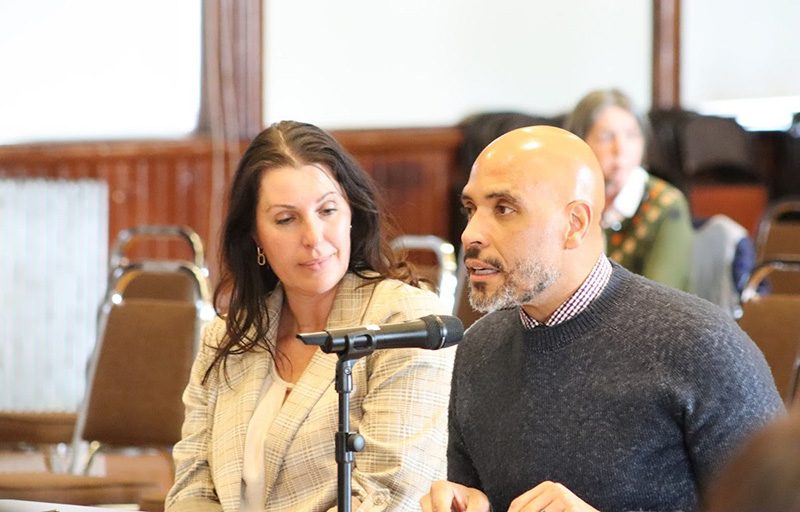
443 330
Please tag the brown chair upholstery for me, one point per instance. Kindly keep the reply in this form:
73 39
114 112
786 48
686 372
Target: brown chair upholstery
35 432
158 285
36 427
143 367
773 322
779 239
137 375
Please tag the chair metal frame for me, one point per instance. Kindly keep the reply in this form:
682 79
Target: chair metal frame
781 263
121 266
446 262
127 236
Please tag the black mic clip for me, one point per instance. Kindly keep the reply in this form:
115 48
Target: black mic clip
352 345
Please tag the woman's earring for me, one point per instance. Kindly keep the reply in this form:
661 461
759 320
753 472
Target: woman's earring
261 259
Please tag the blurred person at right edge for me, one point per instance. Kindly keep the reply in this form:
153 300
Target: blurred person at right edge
586 387
764 475
646 220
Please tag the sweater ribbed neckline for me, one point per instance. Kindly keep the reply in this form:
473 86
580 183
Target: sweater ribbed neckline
548 339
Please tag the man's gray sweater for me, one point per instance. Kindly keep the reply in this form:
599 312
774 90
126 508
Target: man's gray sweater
632 405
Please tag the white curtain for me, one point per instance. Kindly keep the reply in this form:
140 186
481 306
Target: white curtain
53 266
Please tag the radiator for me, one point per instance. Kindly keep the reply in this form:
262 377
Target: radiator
53 266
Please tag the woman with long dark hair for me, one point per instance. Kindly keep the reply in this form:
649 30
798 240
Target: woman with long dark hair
304 249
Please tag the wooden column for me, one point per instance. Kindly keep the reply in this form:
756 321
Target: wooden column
232 84
666 54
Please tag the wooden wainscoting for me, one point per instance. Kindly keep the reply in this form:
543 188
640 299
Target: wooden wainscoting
174 182
415 169
149 182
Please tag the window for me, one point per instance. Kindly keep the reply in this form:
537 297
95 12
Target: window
93 69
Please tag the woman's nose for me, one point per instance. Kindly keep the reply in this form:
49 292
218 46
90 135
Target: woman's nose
312 233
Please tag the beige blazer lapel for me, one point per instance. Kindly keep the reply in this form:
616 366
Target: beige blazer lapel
236 403
348 309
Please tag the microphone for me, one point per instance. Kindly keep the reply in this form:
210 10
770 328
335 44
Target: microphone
430 332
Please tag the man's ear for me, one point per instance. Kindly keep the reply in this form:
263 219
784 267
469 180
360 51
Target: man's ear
579 217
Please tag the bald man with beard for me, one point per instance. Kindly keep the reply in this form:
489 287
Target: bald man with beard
586 387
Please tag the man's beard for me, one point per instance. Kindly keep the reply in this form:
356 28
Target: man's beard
521 285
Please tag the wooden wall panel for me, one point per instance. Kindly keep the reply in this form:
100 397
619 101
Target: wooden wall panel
415 170
149 182
173 182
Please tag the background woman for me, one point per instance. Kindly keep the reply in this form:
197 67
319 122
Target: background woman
647 221
304 250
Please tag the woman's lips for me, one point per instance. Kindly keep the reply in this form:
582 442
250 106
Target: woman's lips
316 263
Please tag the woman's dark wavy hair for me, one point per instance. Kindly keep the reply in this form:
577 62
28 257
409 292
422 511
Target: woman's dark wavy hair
245 285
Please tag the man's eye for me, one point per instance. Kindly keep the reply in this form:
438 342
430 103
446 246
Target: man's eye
503 210
467 211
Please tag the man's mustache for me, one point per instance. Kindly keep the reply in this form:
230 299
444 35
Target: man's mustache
475 253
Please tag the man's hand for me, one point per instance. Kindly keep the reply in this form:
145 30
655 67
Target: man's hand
549 497
447 496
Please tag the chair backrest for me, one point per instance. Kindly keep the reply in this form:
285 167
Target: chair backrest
779 239
141 284
148 329
773 322
443 272
139 373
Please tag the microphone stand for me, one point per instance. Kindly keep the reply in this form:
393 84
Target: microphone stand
352 345
346 442
355 345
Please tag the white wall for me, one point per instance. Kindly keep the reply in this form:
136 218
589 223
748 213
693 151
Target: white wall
367 63
740 57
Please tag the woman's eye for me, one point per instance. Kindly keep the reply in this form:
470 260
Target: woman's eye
328 211
284 220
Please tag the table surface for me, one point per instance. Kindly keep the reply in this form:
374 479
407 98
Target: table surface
37 506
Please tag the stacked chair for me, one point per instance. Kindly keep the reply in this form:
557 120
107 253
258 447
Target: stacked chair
772 320
779 239
148 333
771 315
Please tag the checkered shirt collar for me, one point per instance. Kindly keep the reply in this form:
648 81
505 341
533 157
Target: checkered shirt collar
591 288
